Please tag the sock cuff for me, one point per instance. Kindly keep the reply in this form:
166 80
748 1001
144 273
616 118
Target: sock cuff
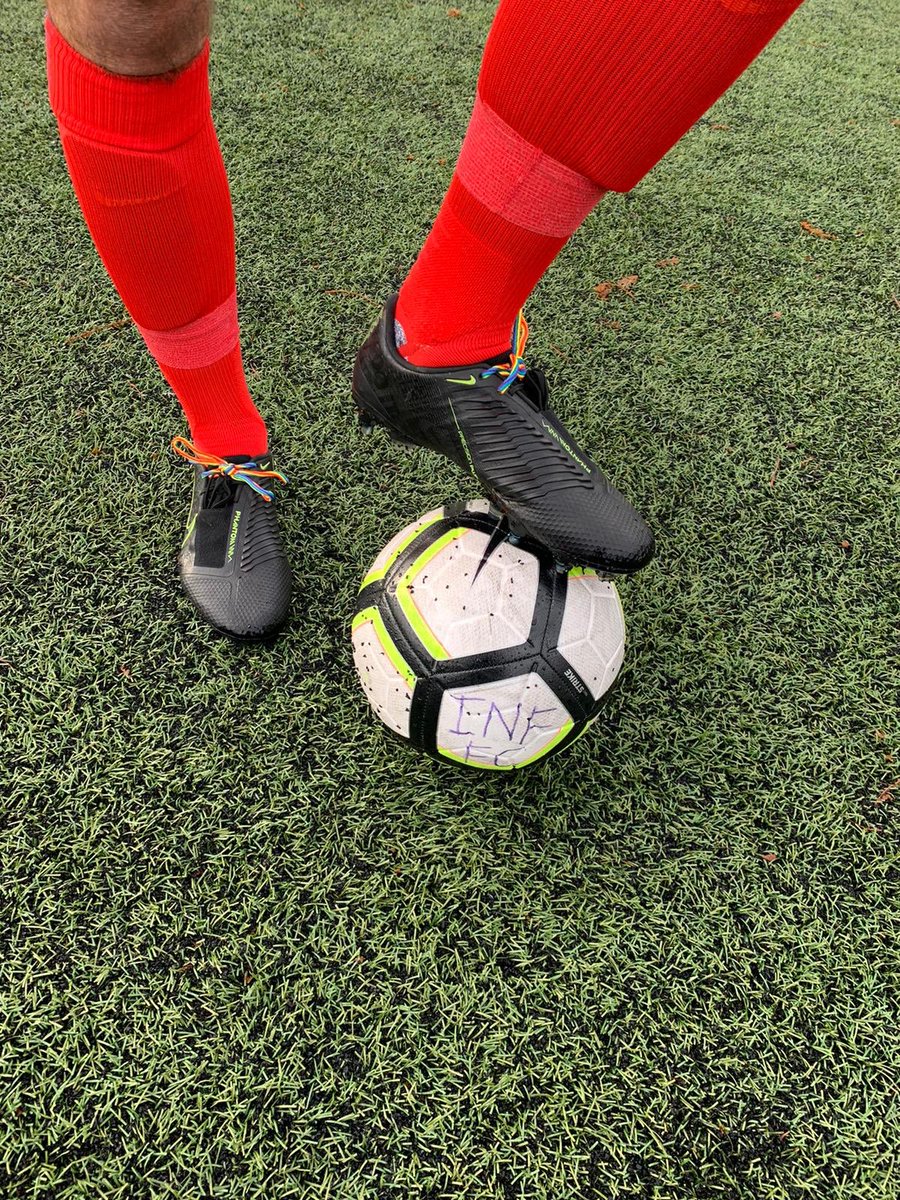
133 112
497 234
520 182
198 344
756 8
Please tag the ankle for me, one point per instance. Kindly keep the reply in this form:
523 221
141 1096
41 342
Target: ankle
467 345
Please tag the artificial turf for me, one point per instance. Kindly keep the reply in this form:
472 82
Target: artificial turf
253 948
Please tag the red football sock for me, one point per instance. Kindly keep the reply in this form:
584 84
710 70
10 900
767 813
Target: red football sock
145 164
573 100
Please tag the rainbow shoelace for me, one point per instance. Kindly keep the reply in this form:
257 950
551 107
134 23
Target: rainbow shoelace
248 472
515 368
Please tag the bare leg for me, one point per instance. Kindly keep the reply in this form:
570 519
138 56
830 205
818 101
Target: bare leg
134 37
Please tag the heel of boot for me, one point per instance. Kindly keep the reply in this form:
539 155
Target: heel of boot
367 419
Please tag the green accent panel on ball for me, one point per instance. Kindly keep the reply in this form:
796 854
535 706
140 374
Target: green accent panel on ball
366 614
472 762
396 659
486 766
554 741
583 730
406 602
374 576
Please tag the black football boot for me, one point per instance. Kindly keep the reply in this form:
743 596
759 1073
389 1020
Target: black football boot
231 564
493 420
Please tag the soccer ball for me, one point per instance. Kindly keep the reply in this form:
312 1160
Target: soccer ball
479 649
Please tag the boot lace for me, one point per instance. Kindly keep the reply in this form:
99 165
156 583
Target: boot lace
246 472
515 368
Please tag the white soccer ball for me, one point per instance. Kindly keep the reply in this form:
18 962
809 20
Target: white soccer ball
476 648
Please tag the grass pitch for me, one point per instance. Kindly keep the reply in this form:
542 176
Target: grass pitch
253 949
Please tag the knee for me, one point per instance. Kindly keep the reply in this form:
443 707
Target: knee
134 37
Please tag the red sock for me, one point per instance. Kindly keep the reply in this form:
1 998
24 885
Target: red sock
145 164
573 100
